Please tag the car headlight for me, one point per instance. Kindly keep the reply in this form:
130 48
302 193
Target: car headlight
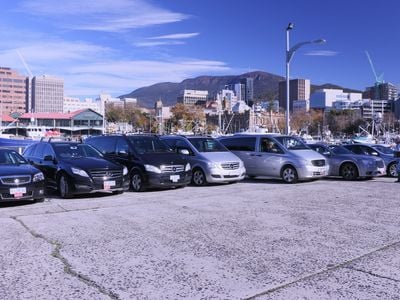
151 168
212 165
187 167
307 162
79 172
125 171
38 177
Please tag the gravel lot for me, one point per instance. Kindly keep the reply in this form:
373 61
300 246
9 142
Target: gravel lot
258 239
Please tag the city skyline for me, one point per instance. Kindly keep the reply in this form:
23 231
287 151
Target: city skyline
118 46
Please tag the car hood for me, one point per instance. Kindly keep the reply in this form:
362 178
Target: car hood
220 157
23 169
158 159
87 163
307 154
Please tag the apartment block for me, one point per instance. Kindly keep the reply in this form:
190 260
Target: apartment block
193 97
299 89
13 92
47 94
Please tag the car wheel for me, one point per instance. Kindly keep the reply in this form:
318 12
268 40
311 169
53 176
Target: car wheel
137 182
64 187
392 170
289 174
349 172
198 177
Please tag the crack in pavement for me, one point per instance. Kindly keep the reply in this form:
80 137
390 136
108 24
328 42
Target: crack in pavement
328 269
372 274
67 266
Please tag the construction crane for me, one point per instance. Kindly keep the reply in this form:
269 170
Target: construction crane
378 79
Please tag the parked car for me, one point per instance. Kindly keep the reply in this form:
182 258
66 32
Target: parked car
211 161
18 179
277 156
346 164
75 168
385 153
150 161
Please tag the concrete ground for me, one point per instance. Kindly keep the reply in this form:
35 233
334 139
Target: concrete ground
257 239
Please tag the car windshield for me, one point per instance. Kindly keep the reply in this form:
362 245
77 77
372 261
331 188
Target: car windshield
10 157
149 144
76 150
207 145
383 149
340 150
291 143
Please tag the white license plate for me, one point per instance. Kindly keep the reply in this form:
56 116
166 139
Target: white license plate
108 184
174 178
18 192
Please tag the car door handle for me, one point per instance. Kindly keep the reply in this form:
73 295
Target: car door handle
259 155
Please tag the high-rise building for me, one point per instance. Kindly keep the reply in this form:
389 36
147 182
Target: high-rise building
47 94
248 90
193 97
381 91
12 92
299 89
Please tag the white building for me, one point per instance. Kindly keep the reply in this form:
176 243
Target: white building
325 98
73 104
226 99
47 94
301 105
193 97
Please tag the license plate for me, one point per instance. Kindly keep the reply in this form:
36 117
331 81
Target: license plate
174 178
18 192
108 184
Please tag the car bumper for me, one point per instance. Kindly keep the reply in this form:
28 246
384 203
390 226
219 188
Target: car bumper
216 175
311 172
32 192
87 186
168 180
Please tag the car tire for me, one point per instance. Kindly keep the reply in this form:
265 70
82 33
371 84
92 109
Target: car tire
289 174
198 177
137 182
392 170
64 187
349 171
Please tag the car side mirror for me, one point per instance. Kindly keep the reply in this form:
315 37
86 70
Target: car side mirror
123 153
326 153
48 158
184 151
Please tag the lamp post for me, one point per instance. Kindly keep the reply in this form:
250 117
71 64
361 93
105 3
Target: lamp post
289 56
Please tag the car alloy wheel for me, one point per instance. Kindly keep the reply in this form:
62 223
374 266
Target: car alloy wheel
64 187
137 182
198 177
289 175
392 170
349 172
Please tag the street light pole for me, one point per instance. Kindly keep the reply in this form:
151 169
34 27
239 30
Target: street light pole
289 56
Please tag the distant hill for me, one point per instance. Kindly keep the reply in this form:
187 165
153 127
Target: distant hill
265 86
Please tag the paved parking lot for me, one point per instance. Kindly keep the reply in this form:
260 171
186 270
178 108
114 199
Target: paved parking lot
260 239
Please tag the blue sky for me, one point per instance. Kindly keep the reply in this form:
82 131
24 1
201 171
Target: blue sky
116 46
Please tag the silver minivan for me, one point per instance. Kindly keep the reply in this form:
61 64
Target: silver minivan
211 162
277 156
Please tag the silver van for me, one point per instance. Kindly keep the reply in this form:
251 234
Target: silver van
211 162
277 156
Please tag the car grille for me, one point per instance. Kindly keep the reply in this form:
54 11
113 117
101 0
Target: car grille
100 174
15 180
8 196
172 168
318 162
230 166
380 164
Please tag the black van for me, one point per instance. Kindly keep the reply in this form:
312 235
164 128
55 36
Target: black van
151 163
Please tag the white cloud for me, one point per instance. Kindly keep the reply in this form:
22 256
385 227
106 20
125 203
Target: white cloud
175 36
102 15
158 43
322 53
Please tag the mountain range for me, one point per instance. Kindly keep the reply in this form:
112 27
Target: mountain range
265 87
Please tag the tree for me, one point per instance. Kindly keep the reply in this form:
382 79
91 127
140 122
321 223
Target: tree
188 118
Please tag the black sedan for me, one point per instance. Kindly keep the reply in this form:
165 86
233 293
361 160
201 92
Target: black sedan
18 179
75 168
